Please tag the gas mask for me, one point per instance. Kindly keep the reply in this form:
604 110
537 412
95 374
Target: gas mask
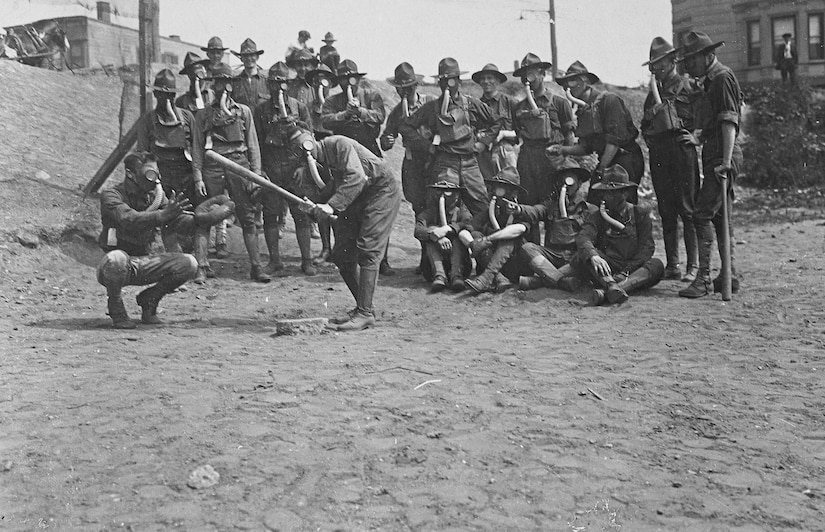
450 84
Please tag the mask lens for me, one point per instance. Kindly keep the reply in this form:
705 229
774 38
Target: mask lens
324 82
307 145
283 86
532 77
569 181
353 81
452 82
151 175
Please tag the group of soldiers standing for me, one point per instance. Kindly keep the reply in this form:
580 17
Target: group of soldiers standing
482 175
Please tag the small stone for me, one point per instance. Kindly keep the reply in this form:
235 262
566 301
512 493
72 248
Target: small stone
203 477
42 176
677 484
6 466
300 326
27 239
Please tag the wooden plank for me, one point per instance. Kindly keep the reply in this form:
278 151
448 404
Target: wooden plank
113 160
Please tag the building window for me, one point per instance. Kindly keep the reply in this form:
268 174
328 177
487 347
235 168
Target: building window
815 37
169 59
781 26
754 50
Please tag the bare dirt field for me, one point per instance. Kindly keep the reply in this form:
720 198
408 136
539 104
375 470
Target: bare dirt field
519 411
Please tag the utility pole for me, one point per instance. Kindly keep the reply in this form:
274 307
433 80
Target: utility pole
551 16
553 51
148 46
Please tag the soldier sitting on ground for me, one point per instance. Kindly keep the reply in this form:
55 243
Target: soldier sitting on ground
437 227
563 214
615 246
496 237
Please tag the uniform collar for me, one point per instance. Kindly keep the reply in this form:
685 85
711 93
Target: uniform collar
714 69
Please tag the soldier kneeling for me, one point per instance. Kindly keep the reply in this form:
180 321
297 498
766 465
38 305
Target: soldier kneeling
615 246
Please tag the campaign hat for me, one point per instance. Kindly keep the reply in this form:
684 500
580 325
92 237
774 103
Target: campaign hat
489 68
531 61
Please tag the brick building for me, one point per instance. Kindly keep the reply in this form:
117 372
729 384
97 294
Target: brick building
752 30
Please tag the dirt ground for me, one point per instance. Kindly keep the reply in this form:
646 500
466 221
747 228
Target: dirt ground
519 411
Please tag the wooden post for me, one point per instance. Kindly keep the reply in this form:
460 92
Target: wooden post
553 52
148 46
113 160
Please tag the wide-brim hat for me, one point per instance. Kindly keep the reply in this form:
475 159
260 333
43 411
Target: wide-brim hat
248 47
165 82
405 76
697 42
489 68
531 61
448 68
301 55
329 37
191 60
321 69
659 49
575 70
507 176
278 72
615 178
222 71
215 44
347 68
447 186
788 35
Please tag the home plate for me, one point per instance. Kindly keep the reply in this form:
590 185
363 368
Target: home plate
300 326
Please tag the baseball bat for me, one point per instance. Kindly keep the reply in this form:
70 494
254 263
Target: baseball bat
249 175
725 244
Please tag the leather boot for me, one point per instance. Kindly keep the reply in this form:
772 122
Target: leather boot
273 246
326 243
548 273
457 262
502 283
117 311
530 282
364 317
692 250
612 294
201 243
701 286
500 256
148 301
436 257
303 234
644 277
671 239
220 240
256 272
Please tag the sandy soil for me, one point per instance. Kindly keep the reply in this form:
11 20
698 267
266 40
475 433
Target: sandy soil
520 411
